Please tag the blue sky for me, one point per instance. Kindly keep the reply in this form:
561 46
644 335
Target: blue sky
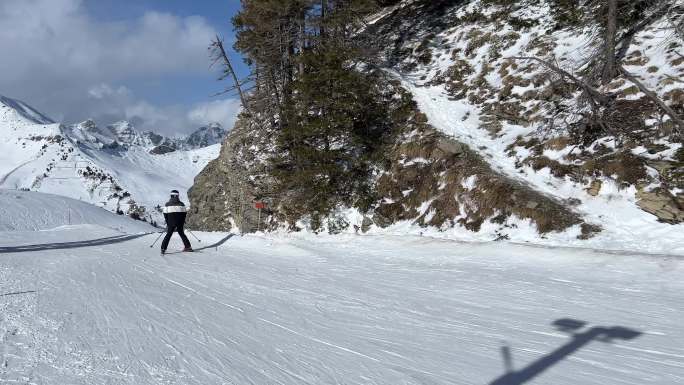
140 60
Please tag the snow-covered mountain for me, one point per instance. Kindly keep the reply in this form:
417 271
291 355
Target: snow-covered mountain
115 167
123 135
204 136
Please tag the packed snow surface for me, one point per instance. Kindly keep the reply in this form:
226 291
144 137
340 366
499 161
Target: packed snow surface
87 305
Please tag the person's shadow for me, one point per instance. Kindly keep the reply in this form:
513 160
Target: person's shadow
579 340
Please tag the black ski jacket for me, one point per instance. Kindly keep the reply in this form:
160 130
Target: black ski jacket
174 212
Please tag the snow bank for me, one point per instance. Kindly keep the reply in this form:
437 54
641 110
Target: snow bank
24 210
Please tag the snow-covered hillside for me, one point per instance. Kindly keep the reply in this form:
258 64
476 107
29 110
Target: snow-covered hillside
34 211
105 309
461 62
114 167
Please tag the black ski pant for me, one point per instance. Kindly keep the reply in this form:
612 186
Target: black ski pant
169 232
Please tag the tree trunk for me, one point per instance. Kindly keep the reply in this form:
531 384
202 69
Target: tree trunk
609 43
257 82
324 14
301 40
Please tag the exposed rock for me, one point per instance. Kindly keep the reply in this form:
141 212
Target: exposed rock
366 224
446 146
662 204
422 179
163 149
588 231
594 188
204 136
440 182
224 192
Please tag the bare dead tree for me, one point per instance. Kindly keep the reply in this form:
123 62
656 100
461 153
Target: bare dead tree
219 54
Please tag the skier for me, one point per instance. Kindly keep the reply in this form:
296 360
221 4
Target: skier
174 214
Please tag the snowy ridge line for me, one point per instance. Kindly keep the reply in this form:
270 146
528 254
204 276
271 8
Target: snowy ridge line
25 111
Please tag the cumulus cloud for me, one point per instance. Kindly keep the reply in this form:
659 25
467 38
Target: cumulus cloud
58 58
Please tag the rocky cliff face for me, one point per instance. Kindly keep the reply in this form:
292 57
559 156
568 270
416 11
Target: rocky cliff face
223 195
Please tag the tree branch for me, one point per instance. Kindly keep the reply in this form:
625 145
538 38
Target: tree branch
625 40
593 92
658 101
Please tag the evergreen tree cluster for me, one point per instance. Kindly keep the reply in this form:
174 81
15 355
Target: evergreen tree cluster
313 86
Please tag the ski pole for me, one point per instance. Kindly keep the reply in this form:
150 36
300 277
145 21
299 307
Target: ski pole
155 241
193 234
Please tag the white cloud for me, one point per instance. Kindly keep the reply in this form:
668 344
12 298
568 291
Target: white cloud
104 90
55 56
223 111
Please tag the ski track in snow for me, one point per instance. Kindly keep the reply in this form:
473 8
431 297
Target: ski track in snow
331 310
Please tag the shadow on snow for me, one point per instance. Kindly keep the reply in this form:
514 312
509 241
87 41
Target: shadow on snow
218 243
70 245
578 341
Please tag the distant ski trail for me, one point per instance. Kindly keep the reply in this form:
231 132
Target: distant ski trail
4 178
343 310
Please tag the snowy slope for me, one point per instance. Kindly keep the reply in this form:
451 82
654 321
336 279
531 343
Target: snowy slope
480 50
149 178
18 111
111 167
24 210
335 310
625 226
23 133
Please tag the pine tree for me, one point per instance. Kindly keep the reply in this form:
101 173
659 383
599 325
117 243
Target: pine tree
309 80
335 124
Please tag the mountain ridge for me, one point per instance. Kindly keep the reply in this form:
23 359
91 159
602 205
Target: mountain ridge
123 132
115 167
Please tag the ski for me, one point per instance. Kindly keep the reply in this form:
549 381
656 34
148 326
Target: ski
181 252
